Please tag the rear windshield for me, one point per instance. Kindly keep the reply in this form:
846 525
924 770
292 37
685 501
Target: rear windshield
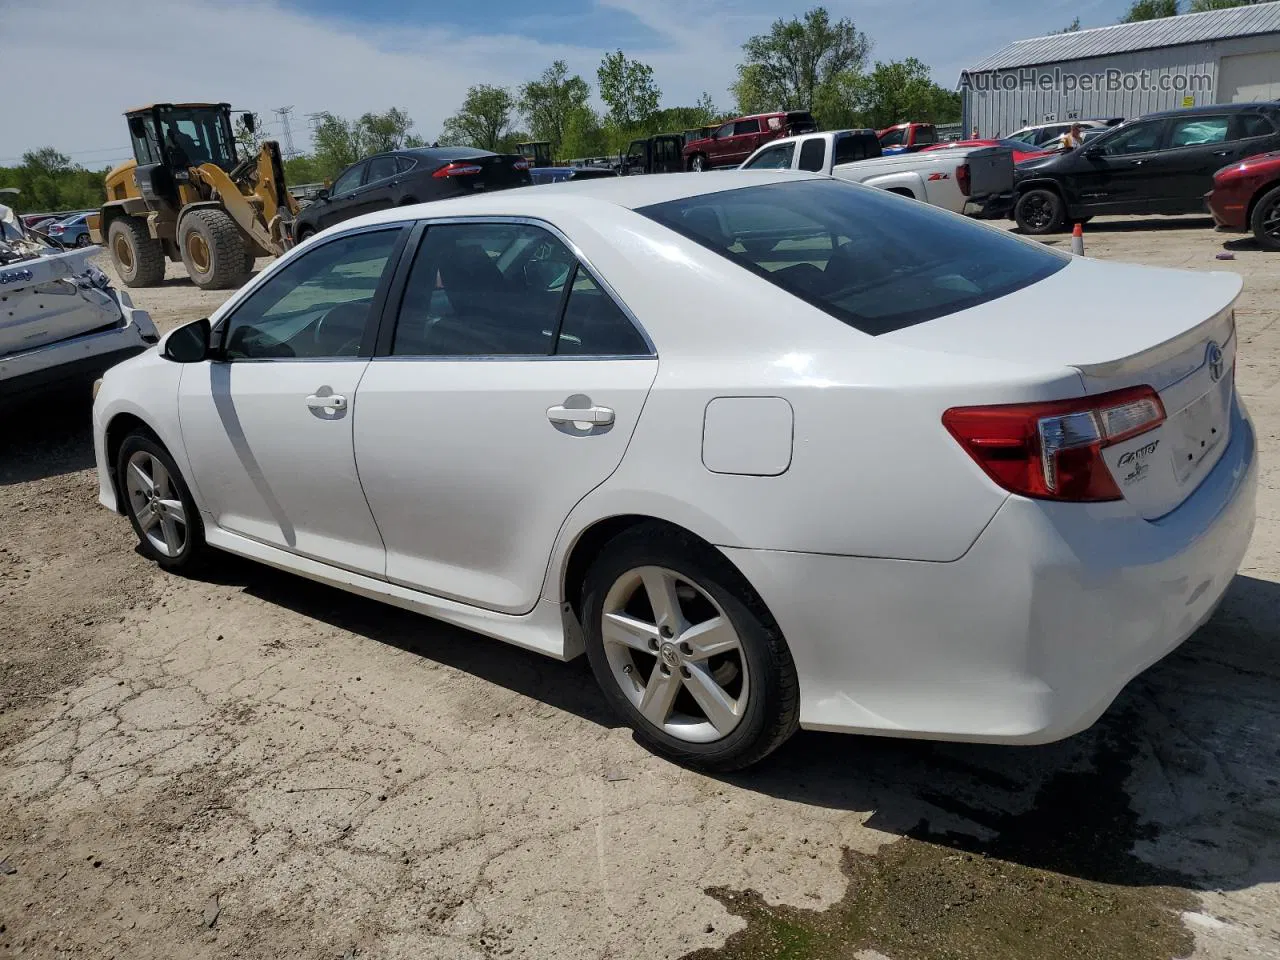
875 261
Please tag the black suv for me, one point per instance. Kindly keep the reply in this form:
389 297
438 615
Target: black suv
410 176
1161 164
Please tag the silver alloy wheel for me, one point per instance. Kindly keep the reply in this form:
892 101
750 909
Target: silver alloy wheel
675 654
155 503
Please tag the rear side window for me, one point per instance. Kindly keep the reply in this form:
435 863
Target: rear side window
862 256
813 155
927 135
853 147
1254 125
596 326
746 126
1193 131
381 168
406 164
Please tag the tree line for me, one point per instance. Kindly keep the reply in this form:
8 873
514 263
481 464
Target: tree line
1158 9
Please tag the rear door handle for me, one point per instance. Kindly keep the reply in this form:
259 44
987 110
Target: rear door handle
600 416
331 402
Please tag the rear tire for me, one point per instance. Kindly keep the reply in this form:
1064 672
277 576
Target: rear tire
749 683
83 240
1265 221
1039 212
138 258
213 249
159 504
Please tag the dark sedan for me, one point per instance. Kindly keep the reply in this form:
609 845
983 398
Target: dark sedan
410 176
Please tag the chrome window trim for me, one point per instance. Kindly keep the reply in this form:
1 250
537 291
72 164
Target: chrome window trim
560 235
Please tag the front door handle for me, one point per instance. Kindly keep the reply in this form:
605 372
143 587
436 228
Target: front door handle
331 402
599 416
1137 163
1223 153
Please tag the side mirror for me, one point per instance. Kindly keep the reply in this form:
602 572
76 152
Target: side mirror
137 128
1093 153
189 344
322 193
250 121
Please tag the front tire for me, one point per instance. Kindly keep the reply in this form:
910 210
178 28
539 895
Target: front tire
212 249
138 257
1265 221
699 163
159 504
686 652
1039 212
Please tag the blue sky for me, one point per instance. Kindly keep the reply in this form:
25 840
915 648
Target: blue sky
350 56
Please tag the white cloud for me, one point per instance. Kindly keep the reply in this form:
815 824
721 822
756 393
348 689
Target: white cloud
73 70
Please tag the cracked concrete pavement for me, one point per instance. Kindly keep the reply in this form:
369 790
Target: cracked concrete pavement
252 765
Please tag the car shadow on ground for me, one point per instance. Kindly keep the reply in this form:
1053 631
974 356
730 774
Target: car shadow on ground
1182 767
47 434
1135 225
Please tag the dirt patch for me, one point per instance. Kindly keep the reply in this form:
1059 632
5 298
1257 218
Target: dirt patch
1058 880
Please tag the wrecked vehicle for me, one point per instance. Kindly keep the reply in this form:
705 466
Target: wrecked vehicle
60 319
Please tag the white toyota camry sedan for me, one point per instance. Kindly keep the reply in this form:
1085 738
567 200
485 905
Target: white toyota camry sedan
774 451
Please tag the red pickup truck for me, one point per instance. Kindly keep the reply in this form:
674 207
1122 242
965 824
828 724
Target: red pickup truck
907 137
735 140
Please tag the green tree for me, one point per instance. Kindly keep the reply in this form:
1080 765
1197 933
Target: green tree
248 141
584 136
548 102
1200 6
1150 10
903 90
49 181
787 68
380 132
628 90
483 120
336 145
1072 27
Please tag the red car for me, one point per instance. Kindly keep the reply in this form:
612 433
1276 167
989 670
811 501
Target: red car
907 137
1246 196
1021 150
735 140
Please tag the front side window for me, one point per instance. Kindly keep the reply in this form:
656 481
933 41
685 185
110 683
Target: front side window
746 126
858 254
774 158
318 306
381 168
726 130
1193 131
348 180
1140 138
893 138
146 147
813 155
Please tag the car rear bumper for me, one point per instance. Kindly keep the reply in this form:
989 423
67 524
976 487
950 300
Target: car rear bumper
995 207
1229 211
78 358
1030 635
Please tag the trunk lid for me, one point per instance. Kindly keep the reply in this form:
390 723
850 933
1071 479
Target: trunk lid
53 298
1120 325
497 172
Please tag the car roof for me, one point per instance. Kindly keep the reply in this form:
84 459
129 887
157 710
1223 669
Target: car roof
444 153
626 192
1213 108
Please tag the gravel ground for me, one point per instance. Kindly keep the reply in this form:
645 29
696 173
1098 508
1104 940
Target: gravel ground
251 765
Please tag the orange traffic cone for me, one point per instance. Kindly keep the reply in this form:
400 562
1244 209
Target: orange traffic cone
1077 239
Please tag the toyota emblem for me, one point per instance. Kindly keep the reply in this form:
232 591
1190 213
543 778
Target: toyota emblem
1213 357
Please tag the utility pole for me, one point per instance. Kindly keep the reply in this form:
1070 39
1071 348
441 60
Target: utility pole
286 133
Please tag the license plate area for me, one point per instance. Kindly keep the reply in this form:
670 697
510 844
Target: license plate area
1198 430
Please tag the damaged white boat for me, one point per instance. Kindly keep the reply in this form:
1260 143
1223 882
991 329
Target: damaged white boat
61 321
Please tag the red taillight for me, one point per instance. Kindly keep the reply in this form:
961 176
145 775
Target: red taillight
522 165
458 170
1053 450
962 178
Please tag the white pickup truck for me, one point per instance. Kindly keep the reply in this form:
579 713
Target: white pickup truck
944 178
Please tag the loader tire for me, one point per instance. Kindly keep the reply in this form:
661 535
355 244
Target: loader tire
212 249
138 258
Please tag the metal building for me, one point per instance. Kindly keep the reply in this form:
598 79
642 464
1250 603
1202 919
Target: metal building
1127 70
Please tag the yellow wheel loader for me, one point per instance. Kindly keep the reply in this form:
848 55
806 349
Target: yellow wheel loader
187 196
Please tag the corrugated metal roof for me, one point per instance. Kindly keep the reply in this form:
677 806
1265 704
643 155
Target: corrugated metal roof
1127 37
